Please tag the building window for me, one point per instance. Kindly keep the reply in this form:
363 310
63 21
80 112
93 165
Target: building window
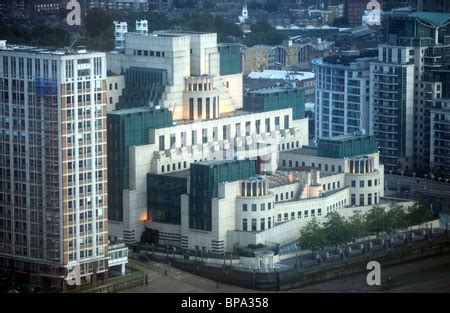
313 213
319 212
353 183
269 206
361 183
254 221
361 200
269 222
353 199
263 206
191 108
279 217
305 213
292 215
369 199
263 224
244 207
253 207
199 107
161 143
299 214
286 216
244 224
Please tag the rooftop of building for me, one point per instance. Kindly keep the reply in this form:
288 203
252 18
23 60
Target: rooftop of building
179 174
275 74
343 138
434 18
4 46
251 84
280 178
349 58
305 150
272 90
133 110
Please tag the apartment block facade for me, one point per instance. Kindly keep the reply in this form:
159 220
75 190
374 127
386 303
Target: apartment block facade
53 179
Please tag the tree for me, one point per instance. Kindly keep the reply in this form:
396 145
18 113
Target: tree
209 23
313 236
397 218
376 220
156 20
418 214
262 33
98 21
337 229
358 226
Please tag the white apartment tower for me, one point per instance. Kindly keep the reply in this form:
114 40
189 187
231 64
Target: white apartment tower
342 95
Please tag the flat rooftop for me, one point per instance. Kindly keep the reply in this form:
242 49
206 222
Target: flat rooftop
42 50
311 151
180 174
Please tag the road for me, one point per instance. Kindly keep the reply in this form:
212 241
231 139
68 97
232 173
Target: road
420 185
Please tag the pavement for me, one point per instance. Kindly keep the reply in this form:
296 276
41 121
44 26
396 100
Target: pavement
178 281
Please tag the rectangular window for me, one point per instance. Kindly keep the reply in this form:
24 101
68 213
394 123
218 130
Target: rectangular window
305 213
253 207
286 121
191 108
361 199
244 207
161 143
353 184
299 214
254 221
199 107
263 224
361 183
244 224
263 206
353 199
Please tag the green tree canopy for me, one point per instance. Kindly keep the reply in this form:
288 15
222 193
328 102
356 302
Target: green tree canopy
376 220
397 218
313 236
418 214
262 33
358 226
209 23
337 229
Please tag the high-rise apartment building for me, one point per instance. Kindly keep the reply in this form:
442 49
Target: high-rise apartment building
442 6
53 179
411 74
342 95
